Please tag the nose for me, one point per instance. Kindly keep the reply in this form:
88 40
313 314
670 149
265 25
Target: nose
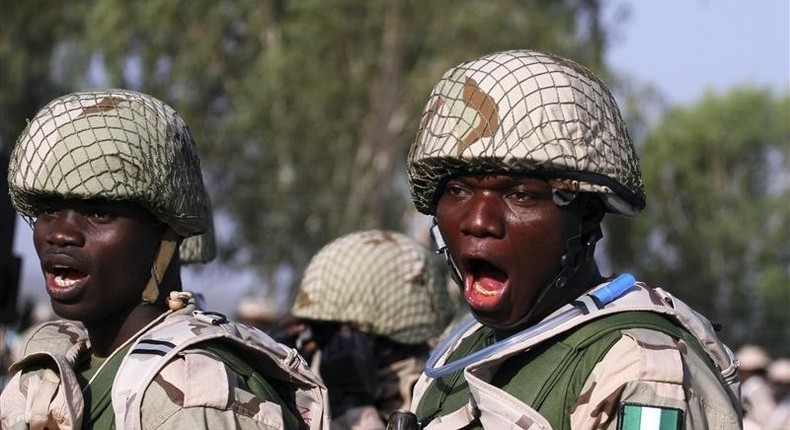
61 228
484 216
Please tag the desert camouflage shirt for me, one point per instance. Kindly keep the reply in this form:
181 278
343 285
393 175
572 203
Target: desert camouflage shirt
196 390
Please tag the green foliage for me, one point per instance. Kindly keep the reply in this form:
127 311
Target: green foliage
718 220
303 110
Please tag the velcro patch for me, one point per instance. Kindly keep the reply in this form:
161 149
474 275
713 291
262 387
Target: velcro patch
634 416
153 346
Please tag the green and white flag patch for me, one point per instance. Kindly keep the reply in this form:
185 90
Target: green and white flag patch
646 417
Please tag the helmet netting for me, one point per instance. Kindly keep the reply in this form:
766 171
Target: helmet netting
115 145
525 112
383 282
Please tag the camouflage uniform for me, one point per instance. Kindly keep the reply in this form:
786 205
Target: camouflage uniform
385 284
525 112
127 146
779 374
193 390
757 394
644 367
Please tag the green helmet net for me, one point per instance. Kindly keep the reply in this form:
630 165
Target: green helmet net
116 145
383 282
530 113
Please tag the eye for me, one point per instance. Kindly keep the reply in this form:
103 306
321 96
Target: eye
455 189
46 211
98 214
527 194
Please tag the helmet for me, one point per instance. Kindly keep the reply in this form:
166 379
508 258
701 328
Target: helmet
116 145
198 249
259 308
531 113
752 357
382 282
779 371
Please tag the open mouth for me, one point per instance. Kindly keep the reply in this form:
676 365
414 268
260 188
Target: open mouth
64 276
484 279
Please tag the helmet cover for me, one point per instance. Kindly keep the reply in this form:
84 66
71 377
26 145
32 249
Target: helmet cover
116 145
383 282
525 112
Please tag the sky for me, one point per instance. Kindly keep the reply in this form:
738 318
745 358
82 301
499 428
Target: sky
687 47
681 47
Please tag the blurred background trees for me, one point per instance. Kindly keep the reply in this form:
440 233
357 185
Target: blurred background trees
716 231
303 112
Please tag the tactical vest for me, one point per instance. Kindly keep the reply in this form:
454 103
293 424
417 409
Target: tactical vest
269 368
547 376
50 394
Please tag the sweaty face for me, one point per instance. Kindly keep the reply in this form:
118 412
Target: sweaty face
96 255
507 237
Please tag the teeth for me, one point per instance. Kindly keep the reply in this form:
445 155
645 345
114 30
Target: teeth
61 281
61 277
480 289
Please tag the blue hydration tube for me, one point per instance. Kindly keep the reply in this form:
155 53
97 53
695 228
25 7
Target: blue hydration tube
587 303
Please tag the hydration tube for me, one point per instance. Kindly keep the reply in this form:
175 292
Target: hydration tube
587 303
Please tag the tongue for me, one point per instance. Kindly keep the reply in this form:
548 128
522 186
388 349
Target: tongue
490 277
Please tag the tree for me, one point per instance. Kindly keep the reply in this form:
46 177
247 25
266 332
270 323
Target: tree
304 110
717 225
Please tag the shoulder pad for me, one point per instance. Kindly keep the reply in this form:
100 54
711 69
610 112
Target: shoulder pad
153 350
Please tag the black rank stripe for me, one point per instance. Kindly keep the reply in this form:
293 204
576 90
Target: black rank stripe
153 347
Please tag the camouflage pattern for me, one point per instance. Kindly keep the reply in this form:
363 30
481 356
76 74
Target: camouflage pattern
198 249
395 383
194 389
381 282
644 367
393 391
116 145
525 112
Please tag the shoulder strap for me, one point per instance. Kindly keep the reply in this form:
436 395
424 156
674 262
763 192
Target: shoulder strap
564 367
256 383
274 362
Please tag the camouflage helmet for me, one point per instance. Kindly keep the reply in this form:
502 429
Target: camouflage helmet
116 145
382 282
530 113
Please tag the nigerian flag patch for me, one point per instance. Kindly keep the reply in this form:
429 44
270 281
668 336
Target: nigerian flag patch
645 417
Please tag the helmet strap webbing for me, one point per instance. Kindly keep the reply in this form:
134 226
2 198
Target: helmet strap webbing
167 248
441 248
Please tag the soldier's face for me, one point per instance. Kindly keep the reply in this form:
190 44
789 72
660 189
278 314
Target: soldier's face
507 237
96 255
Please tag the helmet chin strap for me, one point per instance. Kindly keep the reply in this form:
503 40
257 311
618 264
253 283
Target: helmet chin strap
578 250
167 248
441 248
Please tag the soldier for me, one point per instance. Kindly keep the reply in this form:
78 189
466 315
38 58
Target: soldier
757 394
518 156
111 183
372 301
779 376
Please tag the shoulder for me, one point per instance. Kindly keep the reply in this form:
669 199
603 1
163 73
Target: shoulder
197 386
203 367
647 368
53 337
